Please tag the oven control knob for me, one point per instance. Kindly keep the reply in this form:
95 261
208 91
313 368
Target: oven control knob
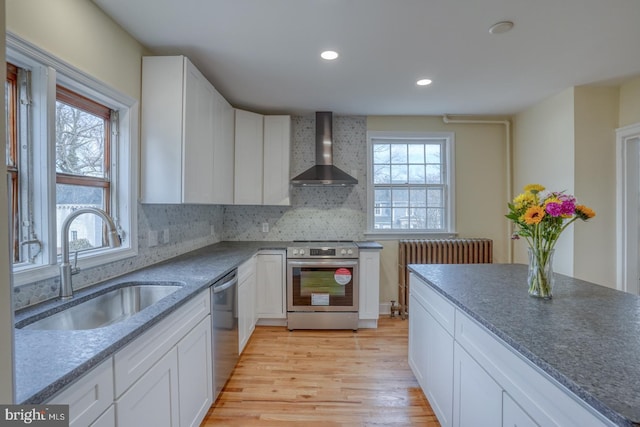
295 252
350 252
343 252
301 251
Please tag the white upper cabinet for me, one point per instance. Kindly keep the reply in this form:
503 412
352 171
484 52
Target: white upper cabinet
248 158
262 159
187 135
277 138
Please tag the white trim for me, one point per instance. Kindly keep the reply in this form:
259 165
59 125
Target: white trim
449 165
627 205
47 72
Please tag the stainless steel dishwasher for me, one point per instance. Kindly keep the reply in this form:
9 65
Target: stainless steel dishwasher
224 305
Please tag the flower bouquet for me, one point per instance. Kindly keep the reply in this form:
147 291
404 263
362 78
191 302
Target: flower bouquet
540 217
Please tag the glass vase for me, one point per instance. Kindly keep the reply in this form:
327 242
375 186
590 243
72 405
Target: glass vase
540 277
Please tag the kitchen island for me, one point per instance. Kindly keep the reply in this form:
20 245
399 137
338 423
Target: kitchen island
582 345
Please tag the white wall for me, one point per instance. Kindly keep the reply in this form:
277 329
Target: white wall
6 309
543 153
596 118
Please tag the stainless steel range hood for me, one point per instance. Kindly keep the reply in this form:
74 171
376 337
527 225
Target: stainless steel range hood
324 172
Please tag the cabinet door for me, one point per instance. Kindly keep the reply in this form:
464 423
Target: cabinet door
246 302
197 145
223 151
248 158
431 359
194 374
161 129
277 142
270 286
439 369
108 419
477 398
369 284
153 399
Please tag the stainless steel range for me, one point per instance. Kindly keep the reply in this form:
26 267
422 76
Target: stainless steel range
322 285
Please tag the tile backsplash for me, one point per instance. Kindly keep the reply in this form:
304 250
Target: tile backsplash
315 213
189 228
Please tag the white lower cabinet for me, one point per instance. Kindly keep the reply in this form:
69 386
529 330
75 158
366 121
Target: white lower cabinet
246 302
473 378
161 378
369 291
153 399
477 398
431 354
271 307
194 374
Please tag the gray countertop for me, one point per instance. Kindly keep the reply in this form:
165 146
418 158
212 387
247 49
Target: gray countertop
47 361
587 337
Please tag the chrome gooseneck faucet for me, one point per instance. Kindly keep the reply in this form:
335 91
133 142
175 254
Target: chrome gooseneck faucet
66 289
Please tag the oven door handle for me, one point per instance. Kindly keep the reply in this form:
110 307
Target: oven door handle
322 263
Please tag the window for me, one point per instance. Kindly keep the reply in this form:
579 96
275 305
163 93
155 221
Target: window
71 143
83 147
410 187
11 103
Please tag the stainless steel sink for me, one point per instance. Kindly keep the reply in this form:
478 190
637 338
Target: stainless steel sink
106 309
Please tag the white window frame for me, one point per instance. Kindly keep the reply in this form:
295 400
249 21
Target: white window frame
46 72
449 177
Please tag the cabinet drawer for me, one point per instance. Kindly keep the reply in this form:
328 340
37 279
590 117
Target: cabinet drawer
90 396
136 358
441 309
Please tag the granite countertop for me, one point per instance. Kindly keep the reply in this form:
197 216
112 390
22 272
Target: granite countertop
47 361
587 337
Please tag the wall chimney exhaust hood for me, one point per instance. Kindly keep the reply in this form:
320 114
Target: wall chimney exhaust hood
324 173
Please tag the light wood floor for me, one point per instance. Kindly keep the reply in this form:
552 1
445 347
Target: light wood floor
324 378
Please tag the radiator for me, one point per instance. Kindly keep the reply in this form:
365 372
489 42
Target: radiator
449 251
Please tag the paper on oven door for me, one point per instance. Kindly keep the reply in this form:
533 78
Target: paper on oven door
319 299
342 276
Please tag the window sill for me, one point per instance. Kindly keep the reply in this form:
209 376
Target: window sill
28 275
398 235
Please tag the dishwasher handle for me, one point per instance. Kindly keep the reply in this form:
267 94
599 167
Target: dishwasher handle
224 286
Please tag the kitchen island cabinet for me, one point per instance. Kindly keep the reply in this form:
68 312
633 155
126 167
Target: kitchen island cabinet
519 360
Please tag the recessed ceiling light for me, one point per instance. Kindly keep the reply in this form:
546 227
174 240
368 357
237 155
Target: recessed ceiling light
329 55
423 82
501 27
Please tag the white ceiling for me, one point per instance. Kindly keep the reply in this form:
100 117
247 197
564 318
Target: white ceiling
263 55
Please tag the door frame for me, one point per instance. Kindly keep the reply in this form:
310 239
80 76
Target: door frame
628 208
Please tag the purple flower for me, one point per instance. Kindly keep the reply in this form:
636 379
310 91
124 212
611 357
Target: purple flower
568 207
554 209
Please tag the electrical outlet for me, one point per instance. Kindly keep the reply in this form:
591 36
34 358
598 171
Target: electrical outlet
153 238
165 235
265 227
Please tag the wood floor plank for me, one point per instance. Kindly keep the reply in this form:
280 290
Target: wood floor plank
324 378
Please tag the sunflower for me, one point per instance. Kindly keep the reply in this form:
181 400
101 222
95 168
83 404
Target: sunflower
584 212
533 215
533 188
523 200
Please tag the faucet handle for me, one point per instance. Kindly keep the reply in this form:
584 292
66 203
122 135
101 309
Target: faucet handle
75 269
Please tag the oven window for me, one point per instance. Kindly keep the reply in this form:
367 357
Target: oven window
318 286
